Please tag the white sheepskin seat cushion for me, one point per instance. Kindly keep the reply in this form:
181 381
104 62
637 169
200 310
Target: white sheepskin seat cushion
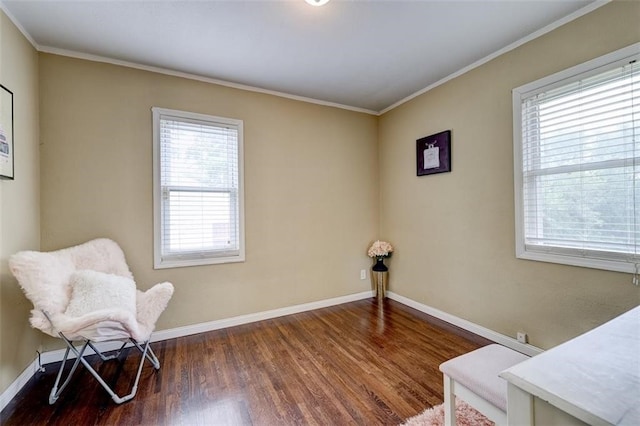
88 292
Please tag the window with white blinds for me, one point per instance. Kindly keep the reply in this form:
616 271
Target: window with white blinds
577 165
198 192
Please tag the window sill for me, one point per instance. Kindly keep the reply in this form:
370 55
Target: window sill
576 260
181 263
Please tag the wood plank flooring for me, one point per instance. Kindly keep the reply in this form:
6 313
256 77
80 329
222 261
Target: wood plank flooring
359 363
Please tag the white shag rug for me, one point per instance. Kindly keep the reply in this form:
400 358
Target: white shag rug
465 416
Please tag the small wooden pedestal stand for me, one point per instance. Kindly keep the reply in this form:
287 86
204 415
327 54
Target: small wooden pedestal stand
380 280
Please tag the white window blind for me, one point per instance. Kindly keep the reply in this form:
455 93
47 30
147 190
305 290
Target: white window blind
198 189
578 171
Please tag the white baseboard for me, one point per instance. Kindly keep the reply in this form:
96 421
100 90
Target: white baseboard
57 355
259 316
468 325
14 388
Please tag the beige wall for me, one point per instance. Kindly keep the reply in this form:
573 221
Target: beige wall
312 196
19 200
454 232
310 186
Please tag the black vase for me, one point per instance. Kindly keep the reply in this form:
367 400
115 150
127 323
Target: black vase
380 266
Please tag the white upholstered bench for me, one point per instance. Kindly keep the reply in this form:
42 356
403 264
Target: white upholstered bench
473 377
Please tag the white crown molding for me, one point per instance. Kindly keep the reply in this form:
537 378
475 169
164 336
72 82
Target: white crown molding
196 77
173 73
95 58
19 26
573 16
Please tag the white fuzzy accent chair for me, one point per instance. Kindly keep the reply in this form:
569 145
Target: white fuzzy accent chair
86 293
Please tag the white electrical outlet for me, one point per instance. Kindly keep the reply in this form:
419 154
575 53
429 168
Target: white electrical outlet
363 274
522 337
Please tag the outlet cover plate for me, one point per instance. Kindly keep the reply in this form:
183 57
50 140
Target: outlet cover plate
522 337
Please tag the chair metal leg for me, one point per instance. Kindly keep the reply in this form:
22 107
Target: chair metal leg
55 393
151 356
107 358
147 354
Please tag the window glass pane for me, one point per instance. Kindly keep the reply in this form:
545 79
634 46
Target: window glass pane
199 221
580 164
198 189
591 124
198 155
591 209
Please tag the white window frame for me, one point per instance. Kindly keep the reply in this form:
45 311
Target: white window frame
604 261
203 257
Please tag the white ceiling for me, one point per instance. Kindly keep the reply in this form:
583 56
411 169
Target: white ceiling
366 54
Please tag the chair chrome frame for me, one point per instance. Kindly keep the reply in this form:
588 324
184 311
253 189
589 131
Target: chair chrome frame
147 353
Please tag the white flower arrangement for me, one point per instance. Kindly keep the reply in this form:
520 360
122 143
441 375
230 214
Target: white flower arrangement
380 249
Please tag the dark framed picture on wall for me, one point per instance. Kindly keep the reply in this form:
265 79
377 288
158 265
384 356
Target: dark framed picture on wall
6 133
433 154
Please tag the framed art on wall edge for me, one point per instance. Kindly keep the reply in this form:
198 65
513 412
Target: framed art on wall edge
433 154
6 133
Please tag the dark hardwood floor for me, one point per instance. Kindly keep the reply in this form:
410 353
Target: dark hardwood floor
357 363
